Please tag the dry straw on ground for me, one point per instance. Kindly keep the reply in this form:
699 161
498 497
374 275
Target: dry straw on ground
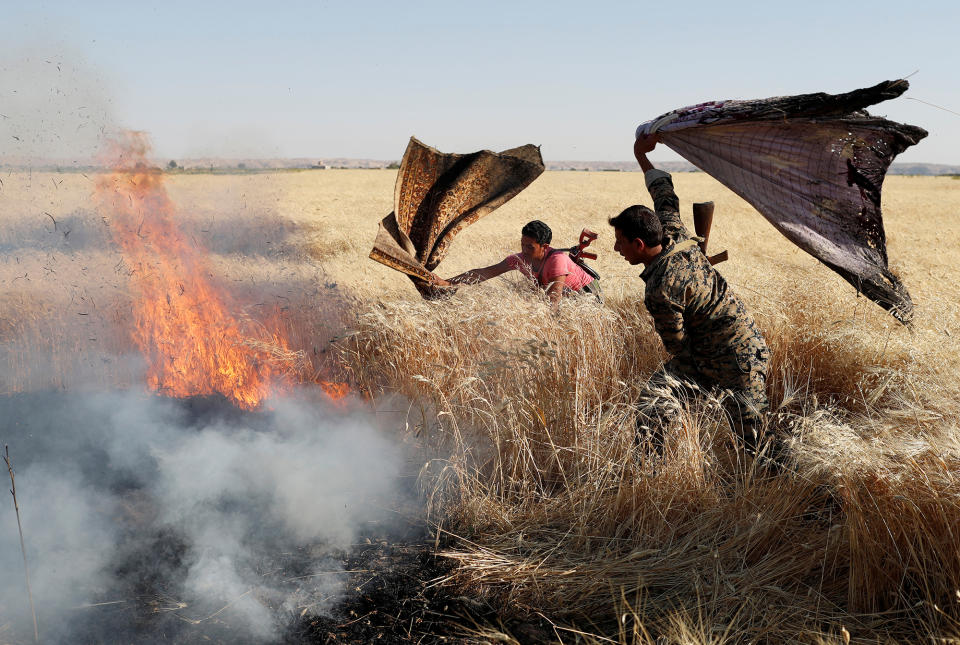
526 413
531 415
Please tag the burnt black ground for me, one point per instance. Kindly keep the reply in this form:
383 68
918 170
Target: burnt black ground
390 598
382 589
394 598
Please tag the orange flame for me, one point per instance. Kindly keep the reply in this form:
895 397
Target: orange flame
193 345
335 391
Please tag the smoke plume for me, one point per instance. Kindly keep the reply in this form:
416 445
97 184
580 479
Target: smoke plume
141 512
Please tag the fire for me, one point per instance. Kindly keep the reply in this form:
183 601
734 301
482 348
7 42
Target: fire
335 391
182 323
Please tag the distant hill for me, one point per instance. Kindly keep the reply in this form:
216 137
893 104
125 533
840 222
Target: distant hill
252 164
923 169
284 163
199 163
684 166
624 166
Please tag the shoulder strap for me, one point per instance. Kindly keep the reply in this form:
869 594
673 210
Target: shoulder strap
680 246
544 263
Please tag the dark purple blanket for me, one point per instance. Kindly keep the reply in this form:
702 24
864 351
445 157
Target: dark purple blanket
813 165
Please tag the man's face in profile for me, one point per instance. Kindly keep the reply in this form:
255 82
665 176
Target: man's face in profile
633 251
532 250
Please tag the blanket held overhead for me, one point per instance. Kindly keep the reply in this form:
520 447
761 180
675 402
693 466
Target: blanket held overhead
813 165
439 194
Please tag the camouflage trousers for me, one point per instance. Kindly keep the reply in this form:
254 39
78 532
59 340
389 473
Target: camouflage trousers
741 382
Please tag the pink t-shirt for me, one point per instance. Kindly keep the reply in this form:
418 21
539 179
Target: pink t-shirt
557 264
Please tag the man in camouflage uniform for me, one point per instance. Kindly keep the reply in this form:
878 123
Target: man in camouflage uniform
714 343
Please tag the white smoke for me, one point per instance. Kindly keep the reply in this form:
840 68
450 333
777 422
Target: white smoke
125 492
144 517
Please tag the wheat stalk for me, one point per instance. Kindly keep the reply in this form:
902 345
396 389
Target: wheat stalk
528 418
23 549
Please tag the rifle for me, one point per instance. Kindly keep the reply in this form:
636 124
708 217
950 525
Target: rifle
578 254
702 223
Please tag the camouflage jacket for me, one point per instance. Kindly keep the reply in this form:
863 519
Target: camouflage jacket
703 324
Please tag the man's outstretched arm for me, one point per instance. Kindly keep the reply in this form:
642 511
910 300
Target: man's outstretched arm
660 185
479 275
644 144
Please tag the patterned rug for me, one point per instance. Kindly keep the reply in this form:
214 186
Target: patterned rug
437 195
813 165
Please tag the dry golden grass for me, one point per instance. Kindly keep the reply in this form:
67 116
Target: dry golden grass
534 468
527 413
532 424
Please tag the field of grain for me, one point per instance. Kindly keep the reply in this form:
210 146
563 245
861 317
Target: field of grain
525 413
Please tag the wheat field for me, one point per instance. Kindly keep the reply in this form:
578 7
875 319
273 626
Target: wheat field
525 413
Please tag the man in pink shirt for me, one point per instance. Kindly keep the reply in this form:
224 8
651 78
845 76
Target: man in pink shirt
551 269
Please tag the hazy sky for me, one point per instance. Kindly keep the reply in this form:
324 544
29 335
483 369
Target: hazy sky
356 79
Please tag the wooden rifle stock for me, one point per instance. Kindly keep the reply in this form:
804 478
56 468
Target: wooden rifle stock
722 256
702 223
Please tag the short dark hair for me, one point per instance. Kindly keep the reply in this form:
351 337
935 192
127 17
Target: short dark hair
639 223
538 231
